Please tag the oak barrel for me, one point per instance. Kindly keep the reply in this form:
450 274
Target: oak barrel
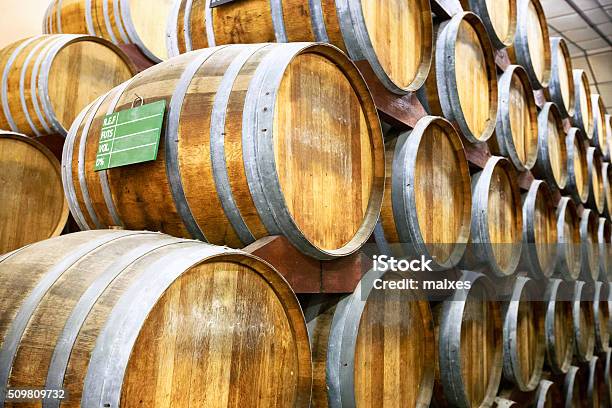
470 336
604 239
606 172
583 321
577 167
596 198
394 39
574 387
524 335
238 160
607 356
139 22
583 110
590 245
531 47
539 253
48 79
608 124
427 173
561 86
516 131
551 165
497 220
558 325
568 254
33 204
374 347
600 137
601 314
119 300
498 16
462 85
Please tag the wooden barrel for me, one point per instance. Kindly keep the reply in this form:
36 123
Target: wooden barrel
524 335
604 239
568 255
589 251
583 321
583 110
259 168
558 323
596 199
601 314
539 253
608 124
606 173
462 85
33 204
497 220
532 44
470 335
600 137
551 165
499 17
119 298
395 41
574 388
561 86
427 173
350 336
516 131
577 167
139 22
597 393
48 79
607 356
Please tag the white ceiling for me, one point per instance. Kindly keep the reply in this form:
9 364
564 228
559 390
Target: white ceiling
590 50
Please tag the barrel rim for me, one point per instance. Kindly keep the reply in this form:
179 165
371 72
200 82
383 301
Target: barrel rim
63 218
606 171
602 334
600 142
554 86
480 8
446 57
604 238
404 198
512 364
521 44
503 129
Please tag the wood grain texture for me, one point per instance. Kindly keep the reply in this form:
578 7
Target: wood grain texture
568 256
214 190
600 136
558 323
551 165
51 78
395 40
498 16
596 199
584 321
33 204
139 22
577 167
204 309
427 173
590 248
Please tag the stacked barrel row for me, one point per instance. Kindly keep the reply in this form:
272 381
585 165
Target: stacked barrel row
284 139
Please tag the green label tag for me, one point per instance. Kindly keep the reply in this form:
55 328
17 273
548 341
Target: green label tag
130 136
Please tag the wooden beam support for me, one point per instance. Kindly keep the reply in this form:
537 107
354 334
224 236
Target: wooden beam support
446 9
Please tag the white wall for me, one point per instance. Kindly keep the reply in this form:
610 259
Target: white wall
20 19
